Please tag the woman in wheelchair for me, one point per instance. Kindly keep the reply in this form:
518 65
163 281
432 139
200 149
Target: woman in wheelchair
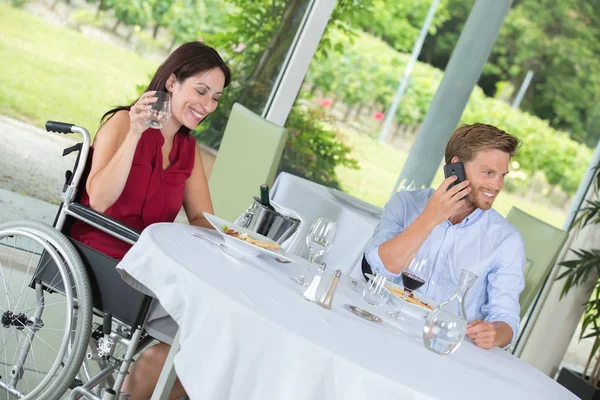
141 175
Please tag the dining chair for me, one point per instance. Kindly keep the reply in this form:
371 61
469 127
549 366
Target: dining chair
543 243
248 157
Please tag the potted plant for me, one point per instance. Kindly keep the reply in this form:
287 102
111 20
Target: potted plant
577 271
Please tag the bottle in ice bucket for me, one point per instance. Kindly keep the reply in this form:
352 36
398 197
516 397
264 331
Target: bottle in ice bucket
264 196
446 325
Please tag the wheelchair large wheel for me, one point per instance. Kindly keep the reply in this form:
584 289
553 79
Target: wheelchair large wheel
45 311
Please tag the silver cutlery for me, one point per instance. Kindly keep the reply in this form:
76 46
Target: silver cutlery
211 240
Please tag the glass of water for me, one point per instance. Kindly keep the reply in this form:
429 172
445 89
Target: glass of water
160 113
318 240
375 293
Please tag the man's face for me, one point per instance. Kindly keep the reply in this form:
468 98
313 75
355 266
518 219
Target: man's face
485 174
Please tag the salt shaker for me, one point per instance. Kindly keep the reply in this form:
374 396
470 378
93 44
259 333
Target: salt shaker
327 297
311 291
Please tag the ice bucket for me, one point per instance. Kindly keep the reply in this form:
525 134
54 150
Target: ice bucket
268 222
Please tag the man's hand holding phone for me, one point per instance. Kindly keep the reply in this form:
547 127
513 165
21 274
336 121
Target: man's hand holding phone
446 199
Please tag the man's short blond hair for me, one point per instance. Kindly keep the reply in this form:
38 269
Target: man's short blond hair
467 140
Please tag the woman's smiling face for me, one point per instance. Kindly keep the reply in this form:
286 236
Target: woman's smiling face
196 97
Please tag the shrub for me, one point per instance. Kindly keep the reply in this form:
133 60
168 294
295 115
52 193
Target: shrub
312 151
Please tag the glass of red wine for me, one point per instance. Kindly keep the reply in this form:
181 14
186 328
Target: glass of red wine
413 277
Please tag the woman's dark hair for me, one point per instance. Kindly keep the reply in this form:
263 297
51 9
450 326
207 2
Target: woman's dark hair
187 60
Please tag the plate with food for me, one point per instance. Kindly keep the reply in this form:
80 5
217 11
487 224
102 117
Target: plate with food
246 241
416 299
419 300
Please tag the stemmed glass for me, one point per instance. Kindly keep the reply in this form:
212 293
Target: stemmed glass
406 185
413 278
318 240
160 113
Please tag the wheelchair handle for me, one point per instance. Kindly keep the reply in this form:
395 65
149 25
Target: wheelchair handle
60 127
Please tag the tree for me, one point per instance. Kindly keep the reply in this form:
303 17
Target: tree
160 13
398 22
559 40
132 13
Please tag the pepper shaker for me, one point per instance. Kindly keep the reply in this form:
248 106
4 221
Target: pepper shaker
327 297
310 293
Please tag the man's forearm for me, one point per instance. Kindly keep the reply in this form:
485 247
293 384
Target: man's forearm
504 334
395 251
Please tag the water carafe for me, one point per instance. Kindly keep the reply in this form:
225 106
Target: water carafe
446 325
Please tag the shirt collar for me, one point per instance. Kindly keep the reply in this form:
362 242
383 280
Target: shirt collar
471 218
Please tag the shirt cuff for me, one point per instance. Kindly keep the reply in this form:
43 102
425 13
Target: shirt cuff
514 325
377 266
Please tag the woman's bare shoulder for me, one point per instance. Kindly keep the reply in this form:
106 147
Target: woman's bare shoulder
115 128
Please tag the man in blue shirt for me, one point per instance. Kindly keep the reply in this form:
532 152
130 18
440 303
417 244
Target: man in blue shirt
456 228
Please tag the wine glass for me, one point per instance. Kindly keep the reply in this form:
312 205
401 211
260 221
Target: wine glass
375 293
160 113
318 240
407 185
413 278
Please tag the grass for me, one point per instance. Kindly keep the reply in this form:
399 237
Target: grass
380 166
49 72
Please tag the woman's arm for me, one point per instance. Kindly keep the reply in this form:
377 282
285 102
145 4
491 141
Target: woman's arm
196 197
114 148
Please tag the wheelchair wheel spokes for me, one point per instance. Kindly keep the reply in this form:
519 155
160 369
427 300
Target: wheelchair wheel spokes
42 330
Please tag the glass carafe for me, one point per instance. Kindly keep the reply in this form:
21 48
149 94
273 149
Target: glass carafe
446 325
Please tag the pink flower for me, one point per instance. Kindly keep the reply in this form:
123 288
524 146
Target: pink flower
379 115
238 47
325 102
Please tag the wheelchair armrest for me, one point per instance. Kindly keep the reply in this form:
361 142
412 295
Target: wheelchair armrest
103 222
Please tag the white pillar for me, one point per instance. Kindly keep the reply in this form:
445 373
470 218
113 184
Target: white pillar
460 77
297 61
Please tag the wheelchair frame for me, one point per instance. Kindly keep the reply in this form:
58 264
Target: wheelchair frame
59 250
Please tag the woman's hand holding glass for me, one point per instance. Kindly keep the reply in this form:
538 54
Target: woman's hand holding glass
160 111
318 240
153 109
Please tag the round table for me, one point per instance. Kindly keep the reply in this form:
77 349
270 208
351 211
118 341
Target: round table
247 333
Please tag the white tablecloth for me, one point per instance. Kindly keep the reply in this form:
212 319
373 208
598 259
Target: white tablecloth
246 333
311 200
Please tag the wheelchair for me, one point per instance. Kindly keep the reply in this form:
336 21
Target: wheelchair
69 325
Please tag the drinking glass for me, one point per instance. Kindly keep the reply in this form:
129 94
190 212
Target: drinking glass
413 278
160 113
375 293
407 185
318 240
446 325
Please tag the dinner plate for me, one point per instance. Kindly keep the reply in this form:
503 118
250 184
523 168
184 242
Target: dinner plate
240 245
356 203
397 289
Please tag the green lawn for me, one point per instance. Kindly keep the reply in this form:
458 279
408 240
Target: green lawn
51 72
380 166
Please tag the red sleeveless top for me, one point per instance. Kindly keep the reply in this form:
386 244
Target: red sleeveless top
151 194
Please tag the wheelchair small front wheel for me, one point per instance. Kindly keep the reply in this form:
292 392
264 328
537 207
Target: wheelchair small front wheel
45 311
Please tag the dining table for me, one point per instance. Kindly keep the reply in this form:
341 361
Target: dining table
247 332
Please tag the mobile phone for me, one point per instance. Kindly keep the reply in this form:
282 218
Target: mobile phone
457 169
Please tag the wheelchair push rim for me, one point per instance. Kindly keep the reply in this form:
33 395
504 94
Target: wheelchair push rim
34 344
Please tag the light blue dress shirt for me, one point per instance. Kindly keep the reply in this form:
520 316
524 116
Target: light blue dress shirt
483 243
